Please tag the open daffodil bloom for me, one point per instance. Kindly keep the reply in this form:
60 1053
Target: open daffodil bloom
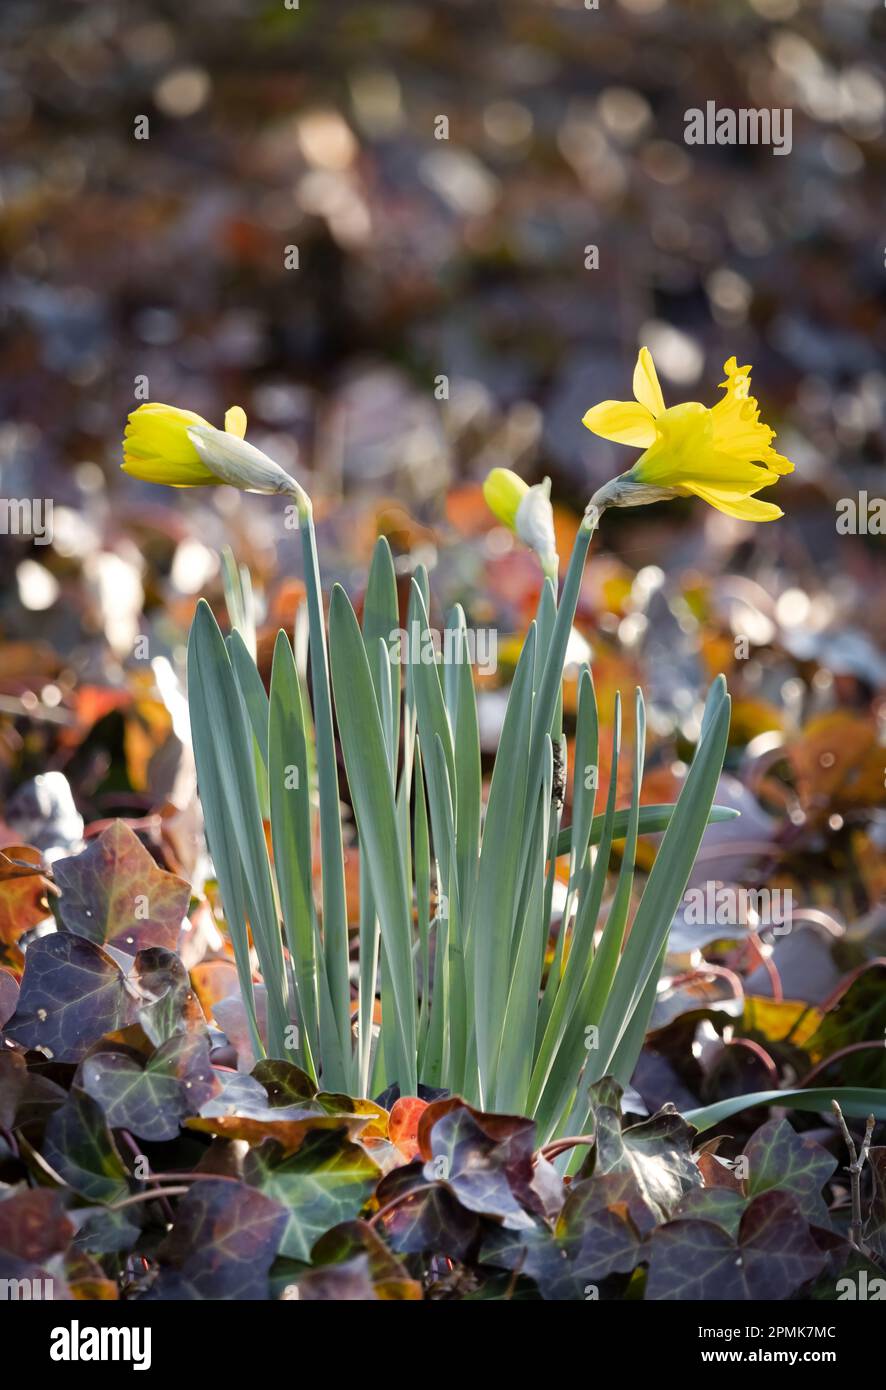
165 444
723 455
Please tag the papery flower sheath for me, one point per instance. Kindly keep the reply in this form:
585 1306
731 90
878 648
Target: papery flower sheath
723 455
165 444
526 511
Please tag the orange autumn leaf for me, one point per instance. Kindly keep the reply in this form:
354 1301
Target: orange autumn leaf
403 1125
213 980
23 892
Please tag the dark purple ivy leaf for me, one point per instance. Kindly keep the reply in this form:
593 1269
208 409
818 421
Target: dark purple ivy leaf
222 1245
104 1231
72 993
114 891
657 1152
152 1098
778 1249
80 1147
488 1176
775 1254
778 1157
169 1004
588 1245
352 1239
432 1221
603 1190
349 1282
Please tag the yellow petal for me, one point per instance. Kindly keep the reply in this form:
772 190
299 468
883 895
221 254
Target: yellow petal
503 492
178 474
235 421
646 387
745 508
625 422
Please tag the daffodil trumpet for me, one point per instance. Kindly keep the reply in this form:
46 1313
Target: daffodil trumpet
723 455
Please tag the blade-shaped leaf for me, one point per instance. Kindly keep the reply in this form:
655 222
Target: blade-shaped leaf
370 784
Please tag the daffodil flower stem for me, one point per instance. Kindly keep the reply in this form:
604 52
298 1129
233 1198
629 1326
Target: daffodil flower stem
335 918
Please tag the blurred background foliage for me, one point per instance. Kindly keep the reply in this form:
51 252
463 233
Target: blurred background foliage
419 259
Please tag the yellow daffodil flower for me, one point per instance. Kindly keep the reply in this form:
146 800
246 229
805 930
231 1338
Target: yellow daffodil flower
723 455
526 511
165 444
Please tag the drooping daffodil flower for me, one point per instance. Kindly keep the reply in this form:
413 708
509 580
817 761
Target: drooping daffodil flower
527 512
723 455
165 444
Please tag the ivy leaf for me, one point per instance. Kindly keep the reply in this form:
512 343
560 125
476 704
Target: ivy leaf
432 1221
284 1083
350 1282
620 1188
72 993
79 1146
775 1254
222 1245
114 891
656 1153
103 1231
24 889
780 1158
717 1204
152 1099
169 1005
243 1110
326 1181
355 1245
403 1126
487 1175
590 1242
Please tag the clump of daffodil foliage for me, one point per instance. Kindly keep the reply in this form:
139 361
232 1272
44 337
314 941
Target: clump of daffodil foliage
456 888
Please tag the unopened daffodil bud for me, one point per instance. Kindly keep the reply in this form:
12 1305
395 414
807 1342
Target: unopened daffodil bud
503 491
164 444
723 455
526 511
